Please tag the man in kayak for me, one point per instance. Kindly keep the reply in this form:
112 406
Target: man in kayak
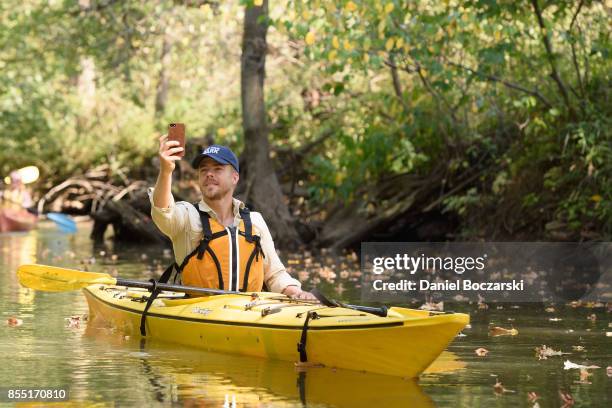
218 242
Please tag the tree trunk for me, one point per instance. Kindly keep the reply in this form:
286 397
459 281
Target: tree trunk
161 95
262 188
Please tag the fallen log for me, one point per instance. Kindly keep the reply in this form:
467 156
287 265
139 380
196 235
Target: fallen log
402 205
129 224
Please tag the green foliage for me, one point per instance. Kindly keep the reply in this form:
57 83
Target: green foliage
65 123
397 86
475 84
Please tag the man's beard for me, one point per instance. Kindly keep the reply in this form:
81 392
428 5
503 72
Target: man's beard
220 193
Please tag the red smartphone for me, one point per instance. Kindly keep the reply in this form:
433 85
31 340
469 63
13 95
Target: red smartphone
176 131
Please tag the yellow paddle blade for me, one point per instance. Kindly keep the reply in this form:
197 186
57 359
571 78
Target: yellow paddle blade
55 279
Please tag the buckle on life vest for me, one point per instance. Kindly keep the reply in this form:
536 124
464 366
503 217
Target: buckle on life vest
203 246
257 240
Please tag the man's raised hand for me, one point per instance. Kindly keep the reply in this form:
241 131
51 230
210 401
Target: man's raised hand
167 151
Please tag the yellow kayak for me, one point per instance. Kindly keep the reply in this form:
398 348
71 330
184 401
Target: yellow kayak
269 325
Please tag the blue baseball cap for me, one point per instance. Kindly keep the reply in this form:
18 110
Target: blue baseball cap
220 154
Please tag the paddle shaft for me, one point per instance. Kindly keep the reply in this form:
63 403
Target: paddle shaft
55 279
379 311
176 288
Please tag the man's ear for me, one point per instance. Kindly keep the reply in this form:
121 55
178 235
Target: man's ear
235 177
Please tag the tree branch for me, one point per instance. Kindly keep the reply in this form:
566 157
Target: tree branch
197 3
573 46
575 15
508 84
396 83
551 56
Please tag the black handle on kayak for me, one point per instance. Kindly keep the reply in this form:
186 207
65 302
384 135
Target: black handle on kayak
378 311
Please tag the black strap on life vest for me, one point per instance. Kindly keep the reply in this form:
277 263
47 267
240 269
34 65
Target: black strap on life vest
301 347
245 214
207 234
154 292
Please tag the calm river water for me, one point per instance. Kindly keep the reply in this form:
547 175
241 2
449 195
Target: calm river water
104 368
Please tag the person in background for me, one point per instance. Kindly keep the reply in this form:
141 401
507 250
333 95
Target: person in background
18 193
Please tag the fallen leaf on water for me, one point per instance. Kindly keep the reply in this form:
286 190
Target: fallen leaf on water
608 334
578 348
499 387
544 352
584 377
568 365
481 352
592 317
532 396
550 309
327 273
609 371
431 306
14 322
500 331
567 399
554 319
73 322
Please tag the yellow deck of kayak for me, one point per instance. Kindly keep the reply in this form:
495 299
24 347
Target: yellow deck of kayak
402 344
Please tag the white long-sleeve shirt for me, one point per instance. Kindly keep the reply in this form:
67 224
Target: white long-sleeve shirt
181 223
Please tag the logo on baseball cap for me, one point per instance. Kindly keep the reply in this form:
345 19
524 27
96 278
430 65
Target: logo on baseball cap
220 154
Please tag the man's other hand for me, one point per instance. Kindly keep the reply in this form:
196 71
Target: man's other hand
296 293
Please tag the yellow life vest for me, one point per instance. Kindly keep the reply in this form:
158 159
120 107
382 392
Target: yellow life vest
227 258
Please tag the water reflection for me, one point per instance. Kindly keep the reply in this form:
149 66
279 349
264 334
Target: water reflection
19 248
197 378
